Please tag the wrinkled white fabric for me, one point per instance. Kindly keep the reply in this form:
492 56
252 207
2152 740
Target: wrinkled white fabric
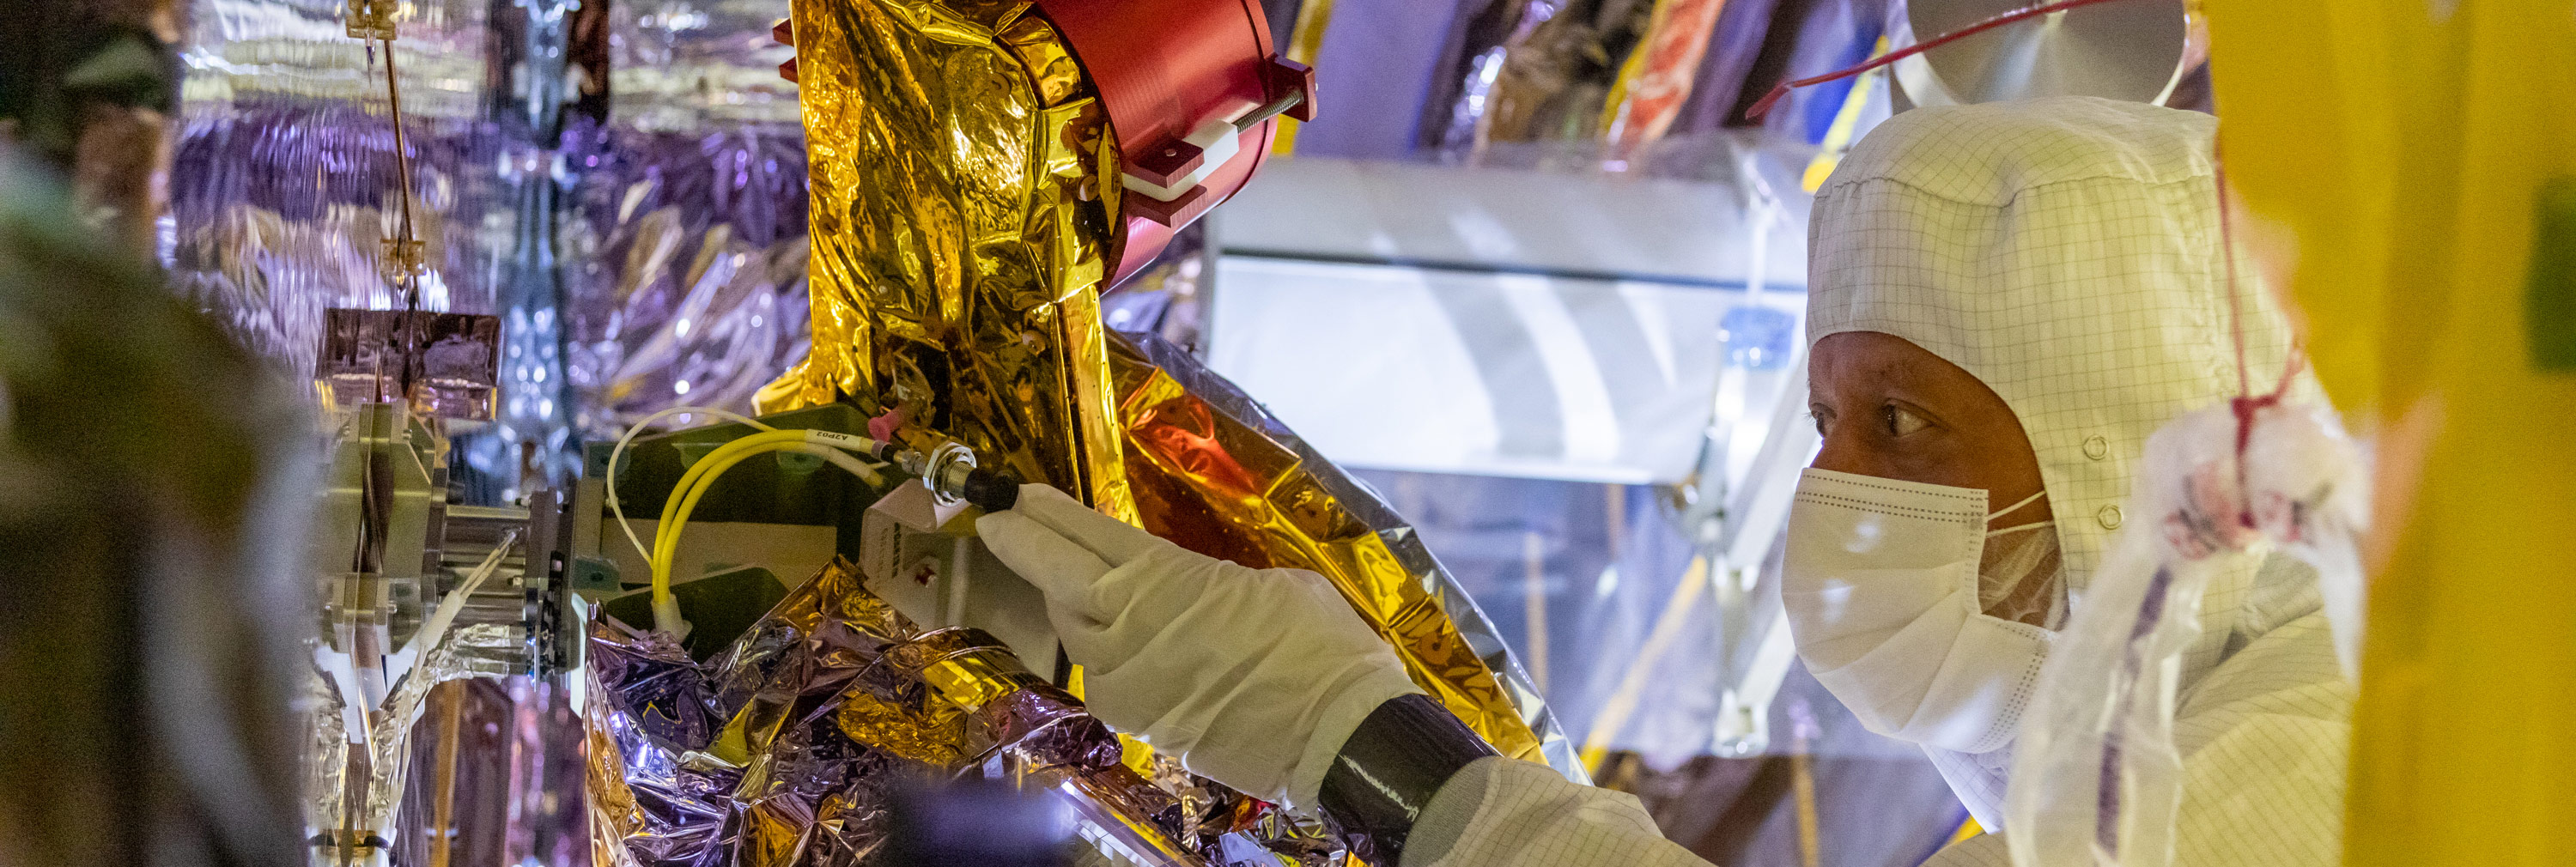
2249 732
2066 252
1252 677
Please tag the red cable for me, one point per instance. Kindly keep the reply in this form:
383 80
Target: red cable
1763 107
2245 404
2227 255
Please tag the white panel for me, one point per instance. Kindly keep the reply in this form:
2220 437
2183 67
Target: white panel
1506 219
1339 353
1491 374
1589 424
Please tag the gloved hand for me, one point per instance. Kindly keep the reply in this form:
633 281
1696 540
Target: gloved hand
1253 677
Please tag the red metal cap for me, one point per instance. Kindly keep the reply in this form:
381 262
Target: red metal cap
1163 68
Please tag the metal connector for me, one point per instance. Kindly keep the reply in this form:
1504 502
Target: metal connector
954 479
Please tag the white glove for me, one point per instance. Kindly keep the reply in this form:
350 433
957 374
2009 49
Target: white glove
1253 677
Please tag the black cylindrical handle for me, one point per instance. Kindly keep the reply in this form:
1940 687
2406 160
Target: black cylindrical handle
992 490
1387 772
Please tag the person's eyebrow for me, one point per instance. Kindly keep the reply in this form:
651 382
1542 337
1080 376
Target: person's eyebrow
1915 383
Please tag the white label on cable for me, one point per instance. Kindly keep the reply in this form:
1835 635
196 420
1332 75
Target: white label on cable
841 440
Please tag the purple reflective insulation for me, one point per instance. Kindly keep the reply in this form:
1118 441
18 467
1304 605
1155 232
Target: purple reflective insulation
687 283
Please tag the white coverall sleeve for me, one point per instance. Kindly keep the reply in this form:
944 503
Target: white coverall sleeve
1500 812
2265 739
2263 742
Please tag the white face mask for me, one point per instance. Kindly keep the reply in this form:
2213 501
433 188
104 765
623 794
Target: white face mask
1881 589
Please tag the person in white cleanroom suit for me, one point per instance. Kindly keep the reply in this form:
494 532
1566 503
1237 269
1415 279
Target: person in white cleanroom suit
2004 301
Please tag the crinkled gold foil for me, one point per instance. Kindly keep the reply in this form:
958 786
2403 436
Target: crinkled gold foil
615 814
960 236
869 701
974 679
1214 484
960 233
932 732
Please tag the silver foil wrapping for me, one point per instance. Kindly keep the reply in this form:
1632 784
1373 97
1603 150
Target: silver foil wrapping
789 746
786 747
682 229
685 276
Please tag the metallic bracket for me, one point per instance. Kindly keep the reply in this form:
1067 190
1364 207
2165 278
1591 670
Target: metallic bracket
401 258
372 19
1290 88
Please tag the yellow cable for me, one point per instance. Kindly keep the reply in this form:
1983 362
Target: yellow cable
637 429
666 608
676 513
716 461
702 474
693 485
664 528
698 469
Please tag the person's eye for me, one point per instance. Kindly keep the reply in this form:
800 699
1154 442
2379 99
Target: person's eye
1901 421
1824 419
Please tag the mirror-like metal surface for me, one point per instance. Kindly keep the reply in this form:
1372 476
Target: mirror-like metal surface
2130 51
682 234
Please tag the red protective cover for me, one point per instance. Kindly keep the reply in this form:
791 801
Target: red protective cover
1161 66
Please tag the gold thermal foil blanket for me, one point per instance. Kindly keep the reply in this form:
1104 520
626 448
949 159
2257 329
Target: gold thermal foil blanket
957 164
960 234
1208 476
